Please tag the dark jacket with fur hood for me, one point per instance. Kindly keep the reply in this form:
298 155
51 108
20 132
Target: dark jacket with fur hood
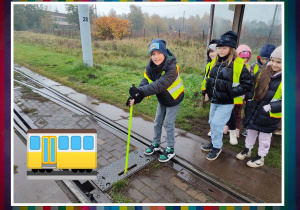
219 85
160 82
256 118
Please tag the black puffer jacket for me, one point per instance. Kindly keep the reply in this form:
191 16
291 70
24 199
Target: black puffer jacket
219 85
160 82
256 118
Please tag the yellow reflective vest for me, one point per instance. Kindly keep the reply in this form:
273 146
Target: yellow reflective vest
238 65
207 72
255 70
247 66
277 97
237 70
175 89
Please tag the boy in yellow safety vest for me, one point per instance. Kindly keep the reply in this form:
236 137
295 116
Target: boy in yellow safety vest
263 110
161 77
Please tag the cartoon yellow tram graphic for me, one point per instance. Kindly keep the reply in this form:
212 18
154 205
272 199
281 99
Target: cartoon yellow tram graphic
74 149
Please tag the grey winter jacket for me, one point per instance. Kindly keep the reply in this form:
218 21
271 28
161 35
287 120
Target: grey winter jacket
160 82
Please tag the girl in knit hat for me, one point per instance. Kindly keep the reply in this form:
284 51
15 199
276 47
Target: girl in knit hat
233 124
228 80
263 110
245 53
261 62
262 59
211 56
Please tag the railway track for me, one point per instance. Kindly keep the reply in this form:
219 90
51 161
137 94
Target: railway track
89 191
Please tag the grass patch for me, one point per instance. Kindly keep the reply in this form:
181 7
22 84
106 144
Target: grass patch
119 185
155 165
15 169
116 192
95 103
117 65
120 198
28 111
34 96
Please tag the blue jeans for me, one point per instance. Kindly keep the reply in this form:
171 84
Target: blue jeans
169 114
219 115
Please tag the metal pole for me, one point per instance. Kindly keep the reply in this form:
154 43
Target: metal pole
96 11
128 139
85 32
272 23
183 22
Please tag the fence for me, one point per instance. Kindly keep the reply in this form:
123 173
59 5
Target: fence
198 35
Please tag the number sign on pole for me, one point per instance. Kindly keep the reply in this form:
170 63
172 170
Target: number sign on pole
85 32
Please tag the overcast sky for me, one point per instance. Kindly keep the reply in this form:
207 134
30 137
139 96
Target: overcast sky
258 12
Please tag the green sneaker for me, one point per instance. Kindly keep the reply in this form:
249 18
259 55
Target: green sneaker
152 148
167 155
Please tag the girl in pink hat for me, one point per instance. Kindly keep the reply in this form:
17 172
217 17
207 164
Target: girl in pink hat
245 53
263 110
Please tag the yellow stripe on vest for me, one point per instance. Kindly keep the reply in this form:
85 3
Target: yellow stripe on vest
277 97
207 73
175 89
256 67
237 70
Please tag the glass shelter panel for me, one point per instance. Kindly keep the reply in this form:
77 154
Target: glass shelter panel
223 19
261 25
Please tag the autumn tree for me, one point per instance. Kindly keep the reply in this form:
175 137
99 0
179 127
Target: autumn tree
136 17
205 22
155 22
111 28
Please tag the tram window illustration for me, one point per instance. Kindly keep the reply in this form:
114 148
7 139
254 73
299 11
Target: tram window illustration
88 143
75 142
63 143
35 143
